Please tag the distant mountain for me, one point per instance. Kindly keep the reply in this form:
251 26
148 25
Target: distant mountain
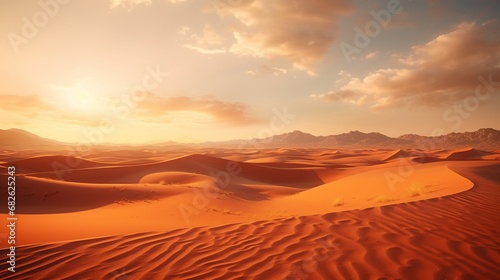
356 138
21 138
482 138
485 138
294 138
351 139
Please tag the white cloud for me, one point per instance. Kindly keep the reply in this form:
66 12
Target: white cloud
128 4
204 50
210 42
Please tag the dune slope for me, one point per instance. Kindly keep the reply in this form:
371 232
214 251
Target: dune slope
454 237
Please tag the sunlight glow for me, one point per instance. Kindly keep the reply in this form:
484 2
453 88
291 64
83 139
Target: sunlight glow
83 96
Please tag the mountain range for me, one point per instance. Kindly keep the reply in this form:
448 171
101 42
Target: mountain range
20 138
485 138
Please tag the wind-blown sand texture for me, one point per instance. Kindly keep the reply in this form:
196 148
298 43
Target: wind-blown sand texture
272 214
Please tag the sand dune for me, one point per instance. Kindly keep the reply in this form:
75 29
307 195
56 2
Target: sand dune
397 154
372 188
466 154
196 163
45 196
175 178
48 163
453 237
426 159
273 214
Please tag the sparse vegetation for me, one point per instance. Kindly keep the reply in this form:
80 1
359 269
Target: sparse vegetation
338 202
223 211
123 201
383 199
170 184
122 189
277 213
226 193
417 190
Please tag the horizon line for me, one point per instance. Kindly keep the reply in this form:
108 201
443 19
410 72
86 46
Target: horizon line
156 142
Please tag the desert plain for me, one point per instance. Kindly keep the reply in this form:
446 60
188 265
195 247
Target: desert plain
277 213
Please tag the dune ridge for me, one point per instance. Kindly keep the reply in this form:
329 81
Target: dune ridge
452 237
274 214
466 154
195 163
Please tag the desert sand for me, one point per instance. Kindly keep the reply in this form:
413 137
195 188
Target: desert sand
267 214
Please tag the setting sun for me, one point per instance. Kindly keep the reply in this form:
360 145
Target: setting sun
81 97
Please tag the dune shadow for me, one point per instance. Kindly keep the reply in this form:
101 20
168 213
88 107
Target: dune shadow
35 196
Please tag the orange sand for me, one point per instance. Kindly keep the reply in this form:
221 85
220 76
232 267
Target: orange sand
272 214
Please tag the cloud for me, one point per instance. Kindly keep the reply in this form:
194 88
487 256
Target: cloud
211 36
129 4
207 110
252 73
371 55
35 108
210 42
266 70
440 72
204 50
299 31
345 95
184 30
23 103
154 109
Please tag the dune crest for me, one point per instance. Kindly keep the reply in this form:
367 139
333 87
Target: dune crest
396 154
388 241
466 154
275 214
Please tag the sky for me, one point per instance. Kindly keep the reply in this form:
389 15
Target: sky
147 71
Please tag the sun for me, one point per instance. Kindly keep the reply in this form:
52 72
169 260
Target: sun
83 100
84 96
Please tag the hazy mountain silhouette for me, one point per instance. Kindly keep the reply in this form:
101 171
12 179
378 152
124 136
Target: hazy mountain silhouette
20 138
485 138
